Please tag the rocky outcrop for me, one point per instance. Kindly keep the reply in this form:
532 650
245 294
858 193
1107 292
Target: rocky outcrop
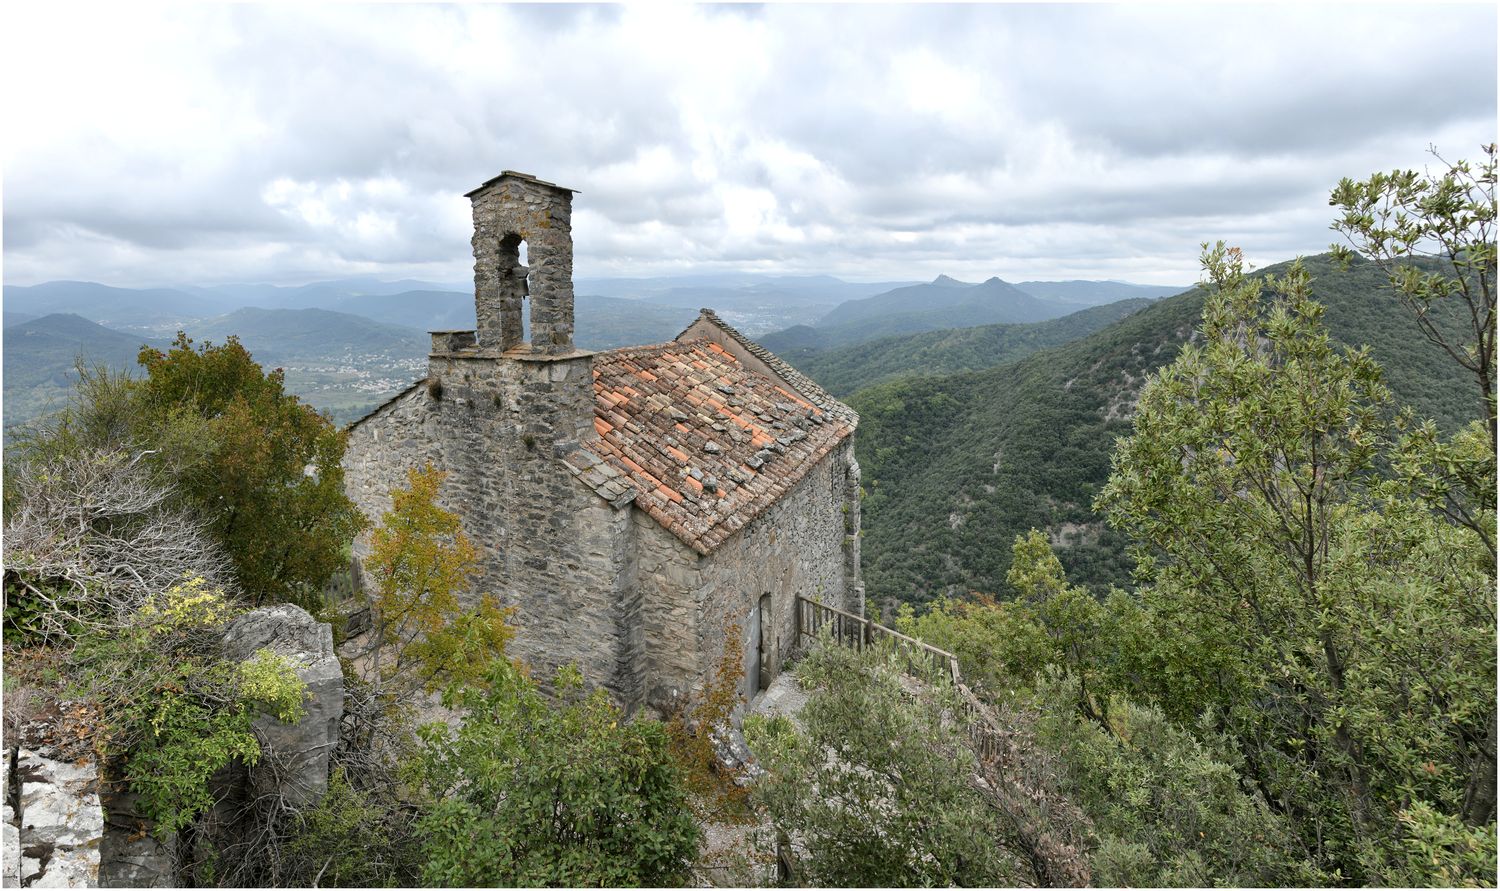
294 757
131 854
293 766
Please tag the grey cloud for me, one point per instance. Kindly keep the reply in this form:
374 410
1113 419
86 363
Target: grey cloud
898 141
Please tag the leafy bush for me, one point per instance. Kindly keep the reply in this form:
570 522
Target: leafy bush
1169 805
173 712
229 445
352 839
1336 621
876 790
527 792
421 562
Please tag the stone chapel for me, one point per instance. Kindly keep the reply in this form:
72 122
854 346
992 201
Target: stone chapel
632 505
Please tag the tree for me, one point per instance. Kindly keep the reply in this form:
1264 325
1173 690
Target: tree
529 792
1344 633
421 562
1167 806
1400 218
89 537
260 466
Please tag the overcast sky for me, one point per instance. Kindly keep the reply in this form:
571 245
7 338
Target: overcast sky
285 143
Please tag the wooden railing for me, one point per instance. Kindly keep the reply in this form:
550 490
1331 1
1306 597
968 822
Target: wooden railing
922 660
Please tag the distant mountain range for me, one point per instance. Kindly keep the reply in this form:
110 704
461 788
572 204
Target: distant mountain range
847 369
40 354
948 303
945 303
1096 293
348 343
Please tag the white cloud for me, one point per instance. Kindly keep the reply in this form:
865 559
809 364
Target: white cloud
150 144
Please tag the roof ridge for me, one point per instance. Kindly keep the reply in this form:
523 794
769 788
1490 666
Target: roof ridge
799 381
384 405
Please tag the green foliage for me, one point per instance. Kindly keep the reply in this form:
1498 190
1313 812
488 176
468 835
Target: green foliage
240 448
1003 645
529 792
1438 849
1169 807
25 614
875 791
1448 219
1000 645
1343 633
261 469
421 561
352 839
180 741
270 680
173 712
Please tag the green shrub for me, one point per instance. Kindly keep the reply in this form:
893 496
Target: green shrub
529 792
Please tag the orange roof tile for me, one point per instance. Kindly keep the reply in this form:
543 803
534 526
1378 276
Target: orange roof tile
708 443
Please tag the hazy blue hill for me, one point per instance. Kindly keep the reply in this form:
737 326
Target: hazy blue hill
800 289
943 303
754 303
419 310
956 466
15 318
277 335
603 323
798 341
843 370
1097 293
332 294
150 308
40 356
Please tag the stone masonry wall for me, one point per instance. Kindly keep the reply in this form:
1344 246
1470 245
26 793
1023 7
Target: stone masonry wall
549 547
801 545
507 210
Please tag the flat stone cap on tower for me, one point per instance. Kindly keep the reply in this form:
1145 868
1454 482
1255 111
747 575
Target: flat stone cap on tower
513 174
707 443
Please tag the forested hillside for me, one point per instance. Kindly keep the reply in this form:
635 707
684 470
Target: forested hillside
956 466
40 355
846 369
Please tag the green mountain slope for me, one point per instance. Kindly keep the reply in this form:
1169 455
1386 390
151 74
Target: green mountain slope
277 335
40 356
955 467
844 370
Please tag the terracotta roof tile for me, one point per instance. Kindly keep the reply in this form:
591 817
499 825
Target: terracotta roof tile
667 429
